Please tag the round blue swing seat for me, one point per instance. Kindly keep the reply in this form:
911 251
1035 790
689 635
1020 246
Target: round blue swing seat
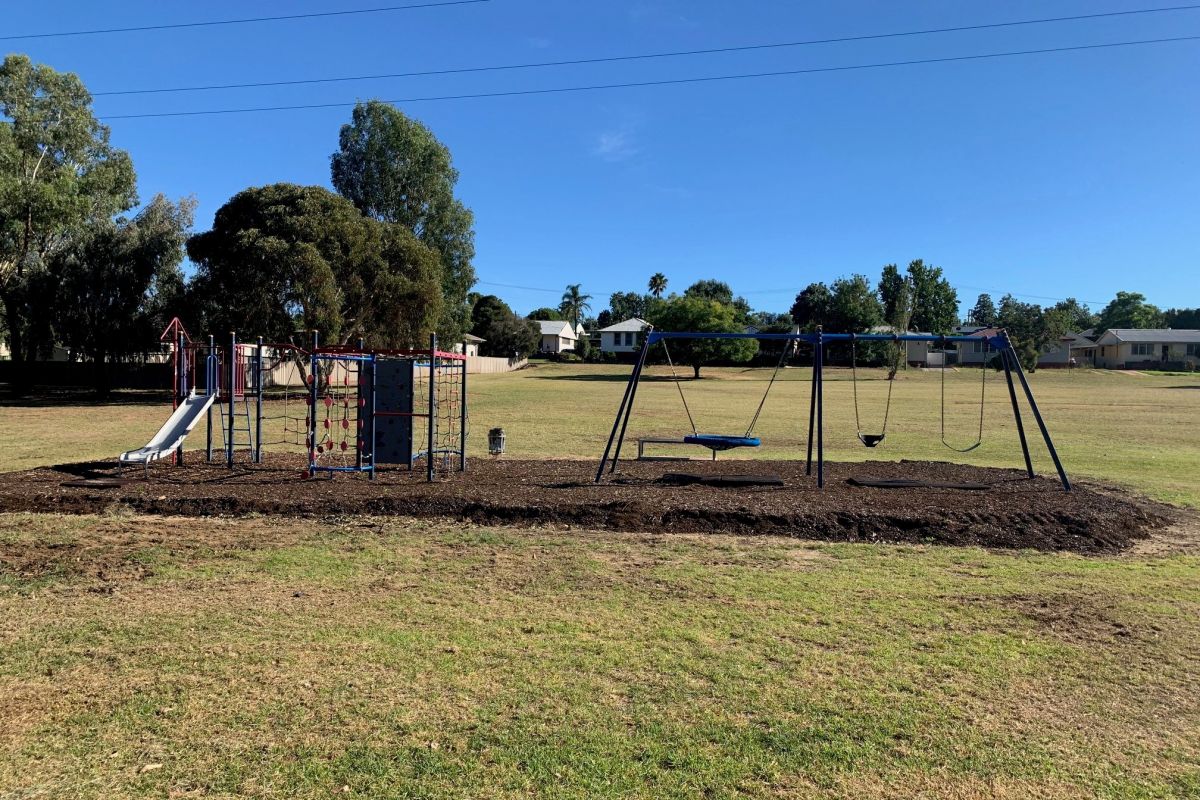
715 441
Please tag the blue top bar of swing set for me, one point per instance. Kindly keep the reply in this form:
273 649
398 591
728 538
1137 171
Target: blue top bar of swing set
998 341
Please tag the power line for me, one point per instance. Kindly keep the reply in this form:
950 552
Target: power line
666 82
242 21
642 56
1031 296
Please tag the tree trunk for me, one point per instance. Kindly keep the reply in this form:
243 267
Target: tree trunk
696 371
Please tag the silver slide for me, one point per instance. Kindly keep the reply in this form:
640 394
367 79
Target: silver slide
171 435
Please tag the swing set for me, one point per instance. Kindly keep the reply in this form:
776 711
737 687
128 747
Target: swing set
994 340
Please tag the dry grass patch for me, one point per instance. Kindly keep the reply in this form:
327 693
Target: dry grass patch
376 658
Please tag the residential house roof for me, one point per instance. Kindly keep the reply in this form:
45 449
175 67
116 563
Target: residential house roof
472 338
1152 335
557 327
632 324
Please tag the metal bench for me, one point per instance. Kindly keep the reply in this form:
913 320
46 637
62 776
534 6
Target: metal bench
653 440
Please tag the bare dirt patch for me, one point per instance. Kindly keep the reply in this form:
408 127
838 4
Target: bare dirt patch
1015 512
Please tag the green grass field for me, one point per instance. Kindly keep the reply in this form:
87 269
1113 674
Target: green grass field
149 657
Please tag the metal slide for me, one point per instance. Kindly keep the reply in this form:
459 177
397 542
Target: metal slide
171 435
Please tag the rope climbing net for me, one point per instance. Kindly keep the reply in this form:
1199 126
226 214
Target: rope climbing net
438 399
335 443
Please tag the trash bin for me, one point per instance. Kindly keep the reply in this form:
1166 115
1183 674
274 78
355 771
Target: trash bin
496 441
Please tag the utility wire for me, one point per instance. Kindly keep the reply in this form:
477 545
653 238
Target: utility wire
667 82
243 21
642 56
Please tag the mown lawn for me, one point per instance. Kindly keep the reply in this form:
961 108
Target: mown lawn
392 658
1138 431
272 658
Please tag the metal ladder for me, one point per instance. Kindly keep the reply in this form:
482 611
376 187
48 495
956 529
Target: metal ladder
238 417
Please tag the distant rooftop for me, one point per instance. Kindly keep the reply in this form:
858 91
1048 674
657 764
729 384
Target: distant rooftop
1164 335
632 324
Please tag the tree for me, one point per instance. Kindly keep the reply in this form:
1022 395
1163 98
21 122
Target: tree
1182 318
395 170
811 308
1030 329
934 301
626 305
603 319
895 293
854 308
283 257
983 313
1077 316
549 314
574 304
506 335
722 293
1129 310
700 314
58 172
108 277
658 284
896 297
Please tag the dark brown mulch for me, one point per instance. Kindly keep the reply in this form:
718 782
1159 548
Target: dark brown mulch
1014 513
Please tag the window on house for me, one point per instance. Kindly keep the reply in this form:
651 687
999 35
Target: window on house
629 338
1143 349
1193 349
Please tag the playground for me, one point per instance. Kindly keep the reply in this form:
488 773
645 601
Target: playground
518 629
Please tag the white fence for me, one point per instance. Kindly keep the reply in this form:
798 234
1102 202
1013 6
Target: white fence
289 374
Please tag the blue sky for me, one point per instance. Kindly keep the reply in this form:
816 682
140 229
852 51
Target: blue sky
1047 176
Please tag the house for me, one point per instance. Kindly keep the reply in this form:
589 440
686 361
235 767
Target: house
624 337
557 336
1071 350
469 345
1148 348
916 354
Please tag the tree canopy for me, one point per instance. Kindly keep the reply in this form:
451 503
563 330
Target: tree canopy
983 313
853 306
657 284
812 306
1129 310
625 305
549 314
393 169
504 333
700 314
58 172
574 304
116 280
1030 328
934 301
285 257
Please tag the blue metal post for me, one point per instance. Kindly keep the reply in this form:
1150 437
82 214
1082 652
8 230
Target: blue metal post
258 395
181 390
637 377
1037 415
621 410
374 394
232 377
812 415
432 406
1012 395
820 408
211 386
462 415
313 379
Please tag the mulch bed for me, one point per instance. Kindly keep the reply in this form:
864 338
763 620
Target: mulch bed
1014 512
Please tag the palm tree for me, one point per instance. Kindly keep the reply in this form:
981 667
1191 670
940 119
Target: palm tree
658 284
574 304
